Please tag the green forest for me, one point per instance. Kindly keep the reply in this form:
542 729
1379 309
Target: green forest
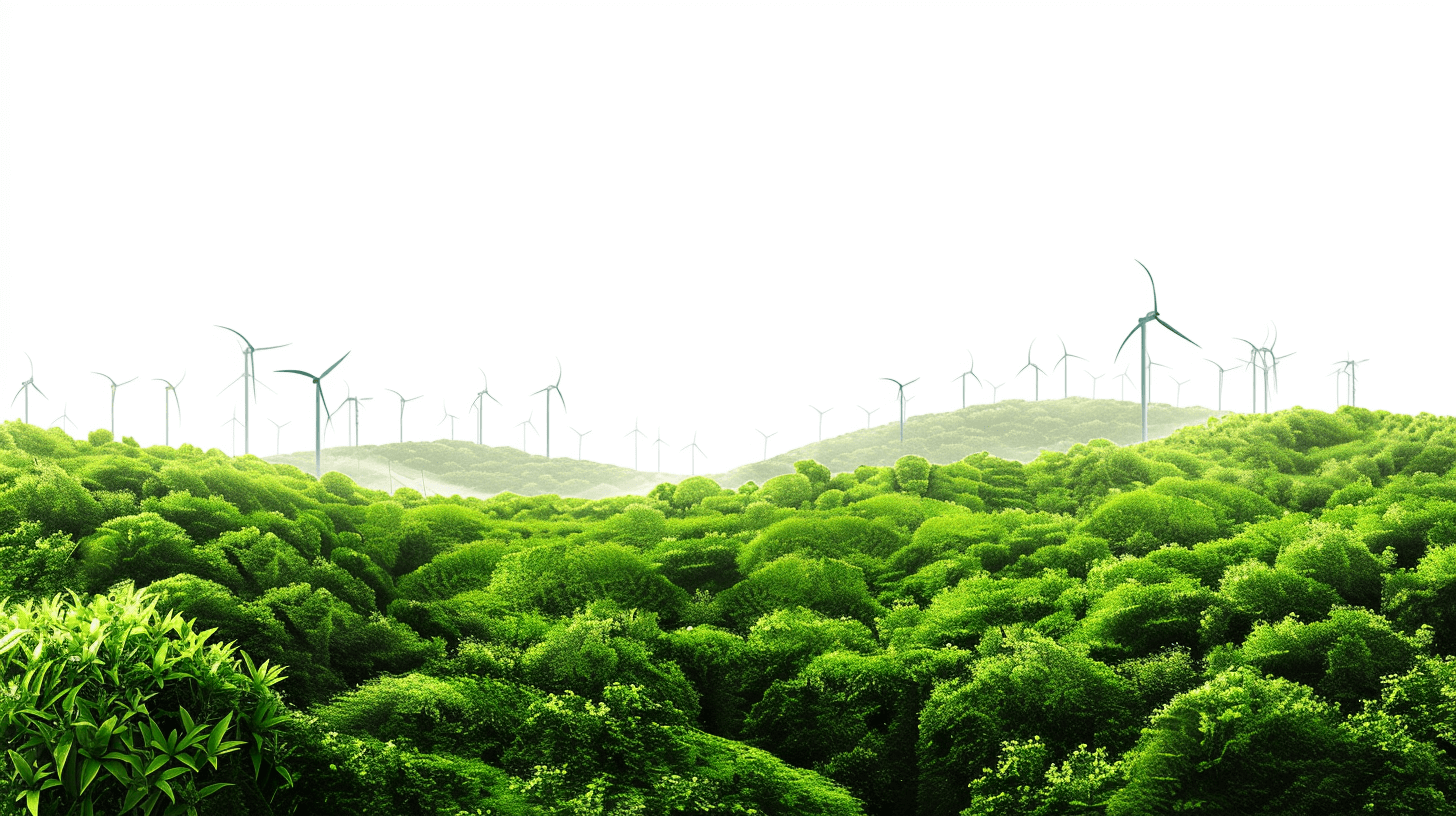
1251 615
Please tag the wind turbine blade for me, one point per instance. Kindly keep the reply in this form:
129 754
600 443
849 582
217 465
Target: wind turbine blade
235 331
558 373
560 397
265 348
334 366
113 382
912 381
132 380
229 385
36 387
294 371
1175 331
1155 285
1125 339
17 395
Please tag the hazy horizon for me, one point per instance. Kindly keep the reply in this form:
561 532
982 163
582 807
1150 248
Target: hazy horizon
714 215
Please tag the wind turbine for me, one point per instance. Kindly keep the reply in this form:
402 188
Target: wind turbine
318 406
353 411
867 411
1061 361
278 436
1142 329
452 419
765 443
579 436
64 417
26 386
1037 376
548 389
1350 372
1253 364
821 421
248 374
1094 382
402 401
1178 400
522 426
114 385
1221 371
167 407
658 444
1122 389
1150 376
634 442
479 406
695 450
994 388
970 373
235 423
1336 374
900 395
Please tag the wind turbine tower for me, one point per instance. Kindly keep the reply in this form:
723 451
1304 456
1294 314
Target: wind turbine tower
63 416
479 406
522 426
900 395
26 386
319 404
170 390
1036 377
868 413
248 375
235 423
580 435
548 389
694 450
821 421
1142 329
1094 382
402 401
114 385
450 417
658 443
1066 368
1221 372
969 373
278 436
765 443
634 442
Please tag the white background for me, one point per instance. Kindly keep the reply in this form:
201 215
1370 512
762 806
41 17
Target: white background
715 214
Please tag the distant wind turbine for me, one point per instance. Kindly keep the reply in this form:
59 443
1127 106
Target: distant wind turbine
452 419
867 411
548 389
994 388
1349 370
580 435
319 404
63 417
634 442
765 443
1122 389
1221 372
1178 400
249 375
971 372
658 443
170 390
693 451
1094 382
1142 329
402 401
353 412
114 385
900 395
278 436
522 426
235 423
821 421
479 406
26 386
1036 377
1066 368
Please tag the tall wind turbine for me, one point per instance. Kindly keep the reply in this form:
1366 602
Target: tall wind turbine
548 389
692 455
248 375
452 419
1349 370
994 388
1142 329
900 395
867 411
353 412
580 435
1221 371
167 407
634 442
522 426
765 443
114 385
1061 361
1094 382
402 401
26 386
318 407
821 421
479 406
658 443
971 372
235 423
1036 376
278 436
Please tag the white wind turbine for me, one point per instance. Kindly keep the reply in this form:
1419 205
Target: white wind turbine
318 407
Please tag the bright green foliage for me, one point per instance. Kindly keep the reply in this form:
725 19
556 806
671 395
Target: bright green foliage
53 498
709 563
368 572
960 616
427 531
470 716
1336 558
693 490
1026 782
904 511
1143 521
957 482
1134 619
556 579
1232 506
912 475
826 537
789 490
143 548
826 585
32 563
462 569
114 706
1028 686
203 517
638 525
1255 592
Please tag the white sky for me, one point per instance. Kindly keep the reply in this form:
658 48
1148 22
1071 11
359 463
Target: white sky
714 213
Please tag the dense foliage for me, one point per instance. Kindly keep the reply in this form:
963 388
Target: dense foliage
1253 615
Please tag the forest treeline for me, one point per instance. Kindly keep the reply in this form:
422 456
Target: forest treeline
1252 615
1010 429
